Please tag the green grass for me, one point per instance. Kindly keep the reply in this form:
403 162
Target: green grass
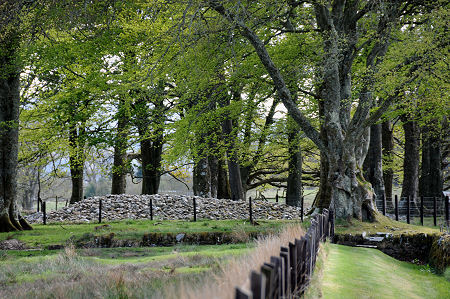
44 235
383 224
352 272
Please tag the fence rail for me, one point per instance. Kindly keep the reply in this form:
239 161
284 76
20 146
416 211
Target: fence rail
289 274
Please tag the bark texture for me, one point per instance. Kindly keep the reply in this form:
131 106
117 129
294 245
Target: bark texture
10 218
388 147
151 154
411 160
431 181
373 169
294 182
202 178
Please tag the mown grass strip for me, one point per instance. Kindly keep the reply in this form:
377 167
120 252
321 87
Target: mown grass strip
352 272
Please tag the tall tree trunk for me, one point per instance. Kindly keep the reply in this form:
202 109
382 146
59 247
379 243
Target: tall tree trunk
76 161
234 169
151 152
373 170
9 132
223 186
119 171
323 196
202 178
294 182
213 163
411 160
388 147
431 182
10 218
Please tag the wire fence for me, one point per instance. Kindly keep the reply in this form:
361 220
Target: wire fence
429 211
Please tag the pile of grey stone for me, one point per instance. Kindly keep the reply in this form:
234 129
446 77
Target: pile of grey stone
165 207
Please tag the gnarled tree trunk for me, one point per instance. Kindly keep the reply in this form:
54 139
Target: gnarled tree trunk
10 218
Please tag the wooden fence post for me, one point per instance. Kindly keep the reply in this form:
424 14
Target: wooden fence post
294 266
44 211
434 211
284 254
241 294
100 210
56 206
396 207
250 209
278 282
151 208
257 285
408 210
267 270
195 209
421 210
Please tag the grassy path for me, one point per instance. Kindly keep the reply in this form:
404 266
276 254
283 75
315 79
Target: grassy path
352 272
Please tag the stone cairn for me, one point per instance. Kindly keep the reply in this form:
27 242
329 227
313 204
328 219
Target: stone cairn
165 207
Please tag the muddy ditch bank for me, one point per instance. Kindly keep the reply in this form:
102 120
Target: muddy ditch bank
433 249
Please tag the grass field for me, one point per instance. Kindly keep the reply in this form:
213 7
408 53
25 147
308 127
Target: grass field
353 272
44 235
109 273
384 224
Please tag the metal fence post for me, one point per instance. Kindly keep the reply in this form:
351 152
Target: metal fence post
100 210
151 208
195 209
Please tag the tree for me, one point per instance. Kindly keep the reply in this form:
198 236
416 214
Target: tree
10 67
344 145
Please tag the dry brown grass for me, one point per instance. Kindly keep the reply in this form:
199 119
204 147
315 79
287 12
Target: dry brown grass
237 271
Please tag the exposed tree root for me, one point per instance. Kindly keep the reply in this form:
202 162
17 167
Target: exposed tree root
25 225
6 225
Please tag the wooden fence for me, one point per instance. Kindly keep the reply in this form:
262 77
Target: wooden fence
288 275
